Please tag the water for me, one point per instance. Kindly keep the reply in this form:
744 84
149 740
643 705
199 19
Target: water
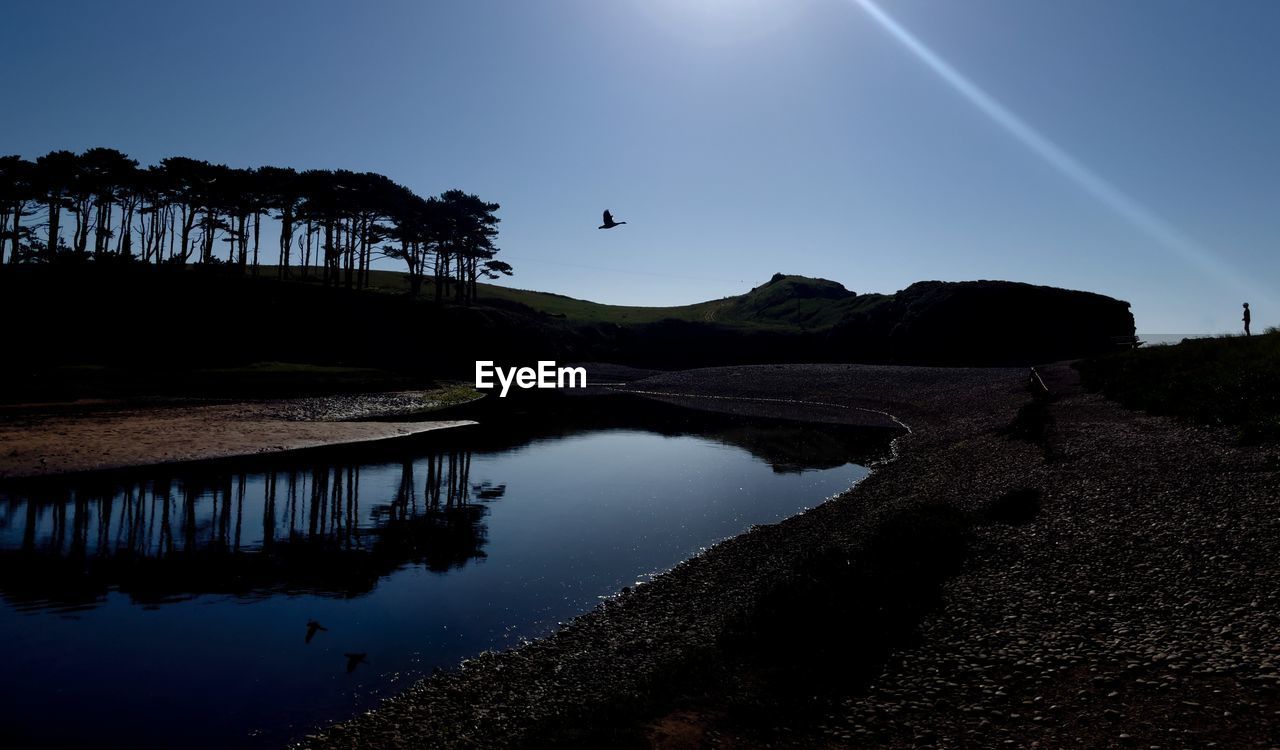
159 610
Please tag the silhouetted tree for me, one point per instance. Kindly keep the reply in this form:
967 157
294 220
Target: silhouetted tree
154 200
54 178
185 190
106 177
17 193
416 227
282 191
469 229
176 211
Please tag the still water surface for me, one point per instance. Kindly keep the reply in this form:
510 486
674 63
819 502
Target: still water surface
172 610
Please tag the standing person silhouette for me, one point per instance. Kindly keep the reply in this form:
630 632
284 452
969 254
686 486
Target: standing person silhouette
1246 319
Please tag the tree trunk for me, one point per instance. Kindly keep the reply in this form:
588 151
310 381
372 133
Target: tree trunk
328 251
4 224
459 288
99 231
83 219
257 229
242 235
147 230
415 267
286 240
188 223
306 252
349 257
17 232
124 247
55 218
362 271
442 272
126 224
210 234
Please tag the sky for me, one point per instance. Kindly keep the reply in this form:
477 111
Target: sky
1127 148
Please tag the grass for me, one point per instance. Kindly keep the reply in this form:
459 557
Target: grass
554 305
784 303
450 395
1231 381
584 311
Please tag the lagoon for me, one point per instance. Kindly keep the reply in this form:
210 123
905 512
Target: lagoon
170 608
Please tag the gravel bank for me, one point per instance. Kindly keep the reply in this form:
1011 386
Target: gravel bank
621 650
1137 608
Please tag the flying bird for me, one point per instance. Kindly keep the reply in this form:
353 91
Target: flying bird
609 223
312 628
355 659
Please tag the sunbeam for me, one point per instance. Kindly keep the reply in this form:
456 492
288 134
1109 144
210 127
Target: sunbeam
1124 205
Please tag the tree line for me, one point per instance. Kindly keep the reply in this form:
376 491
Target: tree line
100 205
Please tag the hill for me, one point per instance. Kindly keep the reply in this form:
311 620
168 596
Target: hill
985 322
929 322
787 302
159 324
784 301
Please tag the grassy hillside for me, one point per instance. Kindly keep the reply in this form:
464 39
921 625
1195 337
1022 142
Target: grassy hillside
554 305
169 329
582 311
796 318
1231 380
799 302
784 302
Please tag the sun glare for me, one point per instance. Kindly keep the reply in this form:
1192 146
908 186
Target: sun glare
1127 207
722 21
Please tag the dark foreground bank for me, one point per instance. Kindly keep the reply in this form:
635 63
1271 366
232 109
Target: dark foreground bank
1077 575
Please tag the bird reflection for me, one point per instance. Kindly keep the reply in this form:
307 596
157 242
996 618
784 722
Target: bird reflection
355 659
313 627
487 491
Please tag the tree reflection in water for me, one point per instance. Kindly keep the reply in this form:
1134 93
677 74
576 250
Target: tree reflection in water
254 527
300 530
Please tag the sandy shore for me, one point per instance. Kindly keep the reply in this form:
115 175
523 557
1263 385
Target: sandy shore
1138 607
42 440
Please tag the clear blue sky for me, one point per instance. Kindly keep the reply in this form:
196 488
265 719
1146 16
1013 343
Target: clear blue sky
1130 148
